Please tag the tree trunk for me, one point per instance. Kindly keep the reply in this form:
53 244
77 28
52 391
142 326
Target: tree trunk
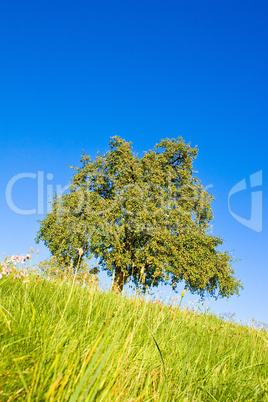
118 281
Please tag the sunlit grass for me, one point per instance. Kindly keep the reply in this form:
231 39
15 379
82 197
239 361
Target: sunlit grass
67 342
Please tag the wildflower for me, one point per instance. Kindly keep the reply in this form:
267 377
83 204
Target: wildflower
20 259
31 250
6 270
183 293
80 251
15 258
24 273
28 257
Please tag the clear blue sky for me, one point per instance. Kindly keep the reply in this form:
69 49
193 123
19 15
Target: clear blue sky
74 73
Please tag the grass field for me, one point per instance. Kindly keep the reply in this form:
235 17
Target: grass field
62 342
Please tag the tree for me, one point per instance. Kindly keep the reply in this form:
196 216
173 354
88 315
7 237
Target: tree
145 219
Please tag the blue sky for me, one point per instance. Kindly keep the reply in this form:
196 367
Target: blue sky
75 73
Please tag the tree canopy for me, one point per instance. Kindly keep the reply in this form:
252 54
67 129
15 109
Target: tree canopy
145 219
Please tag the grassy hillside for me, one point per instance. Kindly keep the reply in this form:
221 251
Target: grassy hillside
68 343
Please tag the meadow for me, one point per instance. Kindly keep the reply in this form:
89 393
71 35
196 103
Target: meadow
73 342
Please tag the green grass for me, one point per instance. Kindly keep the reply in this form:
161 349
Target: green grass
68 343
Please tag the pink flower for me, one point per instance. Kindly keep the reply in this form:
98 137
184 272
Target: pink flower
14 258
6 270
24 273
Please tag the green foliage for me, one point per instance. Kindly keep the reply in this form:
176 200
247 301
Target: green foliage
60 342
146 215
